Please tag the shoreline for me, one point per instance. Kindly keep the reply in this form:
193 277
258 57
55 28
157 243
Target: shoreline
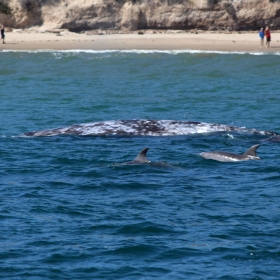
173 41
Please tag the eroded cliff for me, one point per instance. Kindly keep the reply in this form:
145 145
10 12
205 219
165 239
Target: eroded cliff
78 15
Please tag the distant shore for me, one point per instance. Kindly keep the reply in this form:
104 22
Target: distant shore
205 41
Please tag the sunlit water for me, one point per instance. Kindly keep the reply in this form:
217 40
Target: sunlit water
69 210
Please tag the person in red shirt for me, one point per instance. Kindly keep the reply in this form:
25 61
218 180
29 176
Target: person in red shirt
268 36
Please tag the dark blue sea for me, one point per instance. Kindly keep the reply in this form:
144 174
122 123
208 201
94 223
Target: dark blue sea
70 210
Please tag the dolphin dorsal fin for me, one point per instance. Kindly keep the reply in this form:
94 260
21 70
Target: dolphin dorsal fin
142 156
252 151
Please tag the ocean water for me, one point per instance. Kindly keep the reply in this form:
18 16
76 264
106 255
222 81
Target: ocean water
70 210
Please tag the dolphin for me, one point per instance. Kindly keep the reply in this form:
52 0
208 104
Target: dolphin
141 158
274 139
231 157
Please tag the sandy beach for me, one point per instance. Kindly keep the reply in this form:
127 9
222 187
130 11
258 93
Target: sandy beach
65 40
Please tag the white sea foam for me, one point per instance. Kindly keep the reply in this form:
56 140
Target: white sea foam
136 51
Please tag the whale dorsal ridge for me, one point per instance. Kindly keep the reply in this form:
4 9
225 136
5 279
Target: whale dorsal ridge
252 151
142 156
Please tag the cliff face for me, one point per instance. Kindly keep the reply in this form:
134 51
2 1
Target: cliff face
78 15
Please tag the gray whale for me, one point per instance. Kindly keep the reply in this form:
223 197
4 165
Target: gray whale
230 157
143 127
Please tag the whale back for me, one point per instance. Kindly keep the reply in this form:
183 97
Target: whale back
142 127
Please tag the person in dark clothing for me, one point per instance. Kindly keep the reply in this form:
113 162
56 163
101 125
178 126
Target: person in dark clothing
268 37
3 34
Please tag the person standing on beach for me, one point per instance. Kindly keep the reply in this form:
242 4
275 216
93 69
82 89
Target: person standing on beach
261 34
268 36
3 34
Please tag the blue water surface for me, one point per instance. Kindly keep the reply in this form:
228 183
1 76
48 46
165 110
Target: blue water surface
69 210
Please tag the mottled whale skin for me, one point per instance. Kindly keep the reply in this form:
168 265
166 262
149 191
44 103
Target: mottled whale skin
231 157
143 127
